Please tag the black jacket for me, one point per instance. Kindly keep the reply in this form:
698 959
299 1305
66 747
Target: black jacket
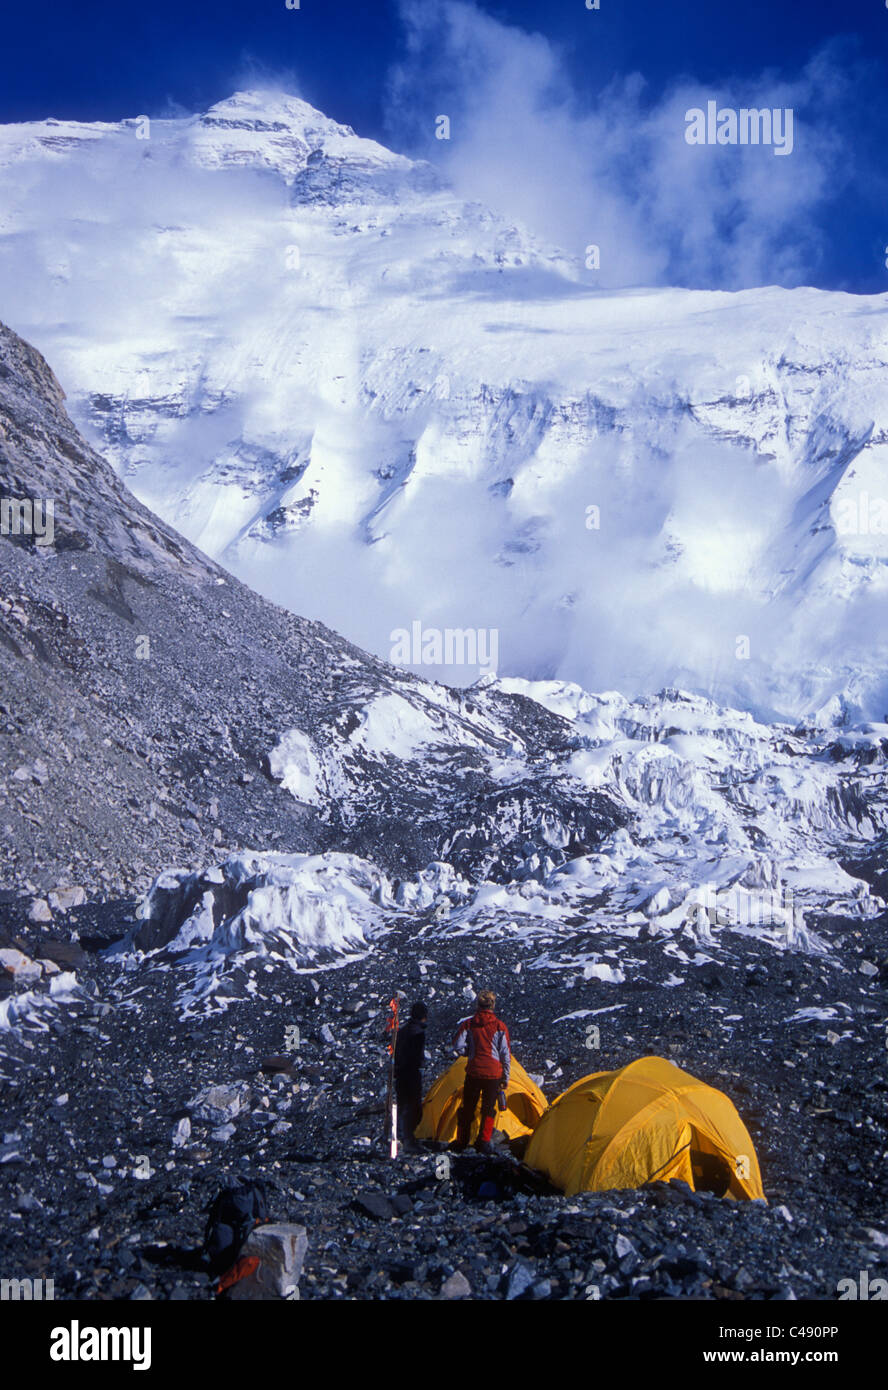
410 1047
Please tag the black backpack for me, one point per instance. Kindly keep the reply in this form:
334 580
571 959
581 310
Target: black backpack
233 1214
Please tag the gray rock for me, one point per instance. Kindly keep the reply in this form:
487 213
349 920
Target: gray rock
375 1204
521 1278
20 966
66 954
182 1133
219 1104
457 1286
63 899
39 911
281 1251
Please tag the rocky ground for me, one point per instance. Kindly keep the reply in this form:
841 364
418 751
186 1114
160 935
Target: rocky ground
106 1187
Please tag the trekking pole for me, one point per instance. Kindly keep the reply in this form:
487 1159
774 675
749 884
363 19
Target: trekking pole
391 1109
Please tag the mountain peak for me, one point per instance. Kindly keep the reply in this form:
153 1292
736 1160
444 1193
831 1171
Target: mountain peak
273 129
271 108
261 128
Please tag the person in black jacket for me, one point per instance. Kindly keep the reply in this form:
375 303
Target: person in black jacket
409 1057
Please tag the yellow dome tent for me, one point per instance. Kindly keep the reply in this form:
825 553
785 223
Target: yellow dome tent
648 1120
525 1104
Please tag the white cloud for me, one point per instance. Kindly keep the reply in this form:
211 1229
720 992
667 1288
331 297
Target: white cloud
612 168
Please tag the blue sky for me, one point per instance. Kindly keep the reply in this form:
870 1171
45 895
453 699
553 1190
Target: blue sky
598 97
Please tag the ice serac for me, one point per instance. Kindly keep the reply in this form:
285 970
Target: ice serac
338 378
734 833
669 823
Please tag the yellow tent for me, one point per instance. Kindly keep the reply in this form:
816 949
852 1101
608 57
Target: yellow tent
648 1120
525 1104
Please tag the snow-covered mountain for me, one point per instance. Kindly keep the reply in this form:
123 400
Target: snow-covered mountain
391 410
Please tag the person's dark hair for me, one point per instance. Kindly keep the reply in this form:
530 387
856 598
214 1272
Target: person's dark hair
418 1011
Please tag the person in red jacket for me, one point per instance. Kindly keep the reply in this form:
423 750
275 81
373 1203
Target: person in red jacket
484 1040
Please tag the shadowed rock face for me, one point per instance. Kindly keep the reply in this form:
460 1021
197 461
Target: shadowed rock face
43 458
143 689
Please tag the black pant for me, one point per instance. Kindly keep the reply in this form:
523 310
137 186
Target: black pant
474 1087
408 1093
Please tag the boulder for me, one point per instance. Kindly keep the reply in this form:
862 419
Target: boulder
66 954
278 1064
521 1278
457 1286
63 899
375 1204
281 1253
20 966
39 911
220 1104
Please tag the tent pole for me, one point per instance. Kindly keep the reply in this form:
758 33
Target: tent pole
391 1107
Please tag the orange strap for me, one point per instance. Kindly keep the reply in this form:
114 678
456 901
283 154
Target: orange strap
239 1270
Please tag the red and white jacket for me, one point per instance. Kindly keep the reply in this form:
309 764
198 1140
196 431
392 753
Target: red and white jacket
484 1040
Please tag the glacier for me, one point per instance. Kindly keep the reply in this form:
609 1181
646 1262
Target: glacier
728 832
